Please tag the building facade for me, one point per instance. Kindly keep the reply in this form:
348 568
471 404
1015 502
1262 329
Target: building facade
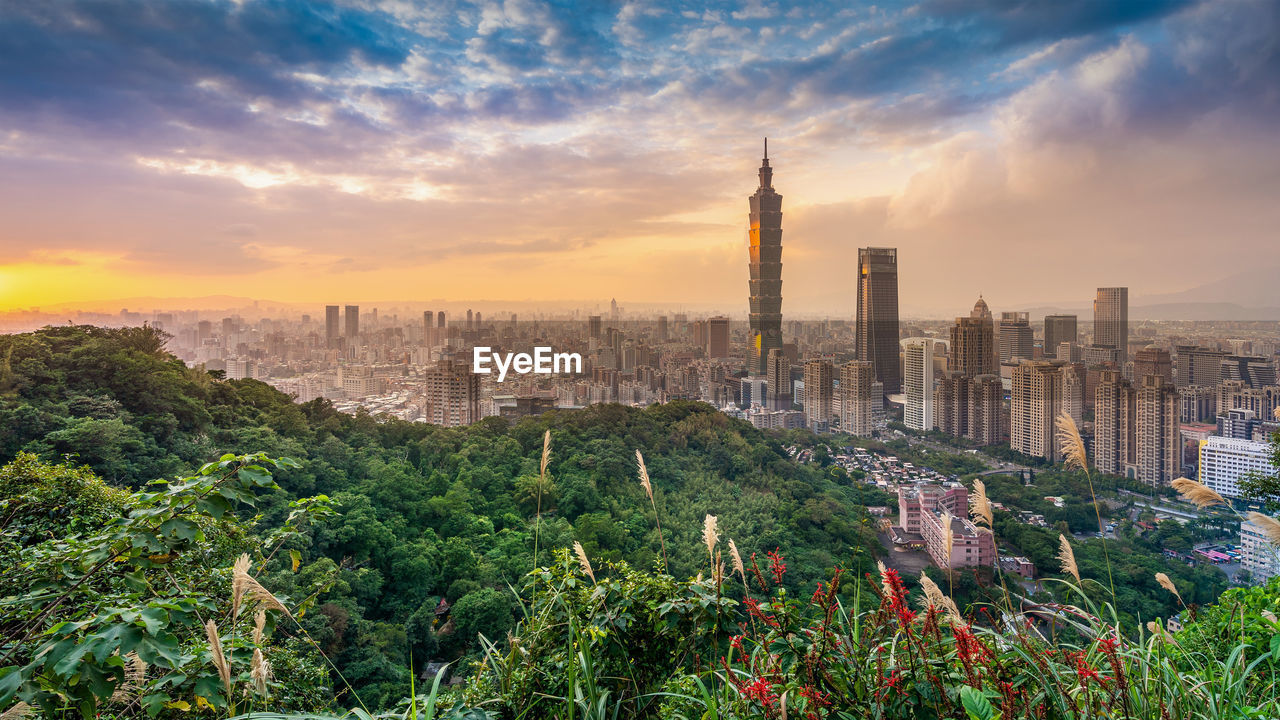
818 387
917 383
1035 399
1224 462
856 415
1057 330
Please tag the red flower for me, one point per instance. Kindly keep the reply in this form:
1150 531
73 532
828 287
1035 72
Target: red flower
762 692
777 566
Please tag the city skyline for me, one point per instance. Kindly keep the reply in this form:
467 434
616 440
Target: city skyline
519 152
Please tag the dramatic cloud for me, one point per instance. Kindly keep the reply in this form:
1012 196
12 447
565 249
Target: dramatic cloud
519 149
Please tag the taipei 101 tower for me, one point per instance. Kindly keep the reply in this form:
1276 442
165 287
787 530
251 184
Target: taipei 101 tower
766 270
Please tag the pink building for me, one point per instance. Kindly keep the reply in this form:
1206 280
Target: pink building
920 510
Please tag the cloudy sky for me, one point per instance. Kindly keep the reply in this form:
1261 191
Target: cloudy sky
522 150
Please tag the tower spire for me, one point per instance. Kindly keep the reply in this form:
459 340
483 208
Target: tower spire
766 148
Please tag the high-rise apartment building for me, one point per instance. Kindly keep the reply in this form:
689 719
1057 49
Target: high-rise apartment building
779 379
1073 381
1152 360
819 380
1111 320
440 322
718 337
986 410
876 333
451 394
1157 440
1016 339
856 415
1113 423
973 343
662 329
765 254
352 317
917 382
1158 458
1035 399
1057 330
331 332
593 326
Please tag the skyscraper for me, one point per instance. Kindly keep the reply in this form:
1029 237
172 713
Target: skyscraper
662 328
331 331
718 337
876 336
1016 340
917 382
973 342
353 323
440 319
1111 320
819 380
469 318
1057 330
593 326
855 398
1034 403
765 253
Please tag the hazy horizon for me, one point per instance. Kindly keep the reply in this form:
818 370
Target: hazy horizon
516 152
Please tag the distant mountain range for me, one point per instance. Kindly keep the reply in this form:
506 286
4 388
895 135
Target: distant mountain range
1250 295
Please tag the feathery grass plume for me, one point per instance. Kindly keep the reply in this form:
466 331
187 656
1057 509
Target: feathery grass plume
1070 443
648 489
259 672
884 578
980 505
239 571
1270 616
1159 632
583 561
1197 494
644 476
737 561
244 583
134 678
709 535
948 536
1067 557
1269 526
19 710
259 622
1167 584
546 453
934 596
1276 412
219 660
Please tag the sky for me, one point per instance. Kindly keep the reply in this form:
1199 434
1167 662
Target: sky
532 151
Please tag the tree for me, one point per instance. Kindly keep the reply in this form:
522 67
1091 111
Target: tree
486 612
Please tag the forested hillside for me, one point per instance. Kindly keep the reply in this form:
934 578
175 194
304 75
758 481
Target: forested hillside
426 513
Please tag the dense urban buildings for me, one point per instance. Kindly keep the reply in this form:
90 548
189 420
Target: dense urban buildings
766 269
877 315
